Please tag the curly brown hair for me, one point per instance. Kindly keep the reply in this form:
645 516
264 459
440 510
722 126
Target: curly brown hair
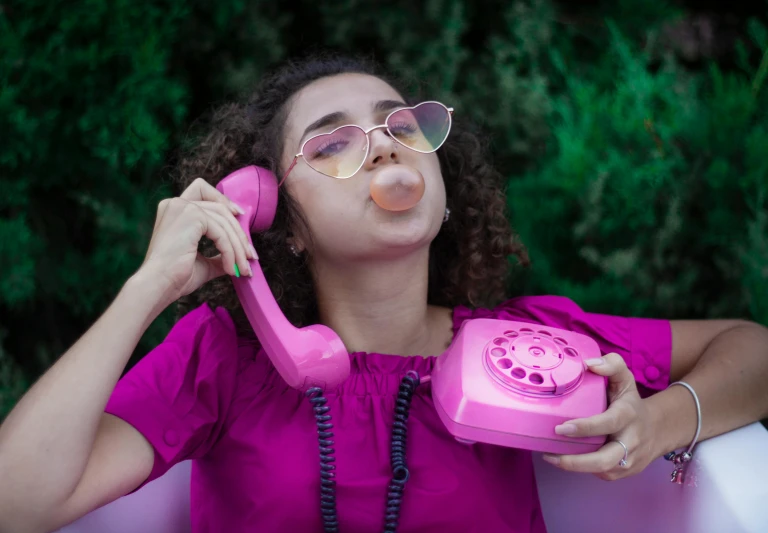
469 258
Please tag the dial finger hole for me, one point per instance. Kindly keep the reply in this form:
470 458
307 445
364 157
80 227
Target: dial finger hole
570 352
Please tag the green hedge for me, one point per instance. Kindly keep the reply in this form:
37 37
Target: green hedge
653 196
639 185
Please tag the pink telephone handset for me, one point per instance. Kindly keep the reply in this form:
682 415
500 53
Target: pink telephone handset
307 357
500 382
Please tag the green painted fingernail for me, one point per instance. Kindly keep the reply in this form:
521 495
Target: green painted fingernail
237 271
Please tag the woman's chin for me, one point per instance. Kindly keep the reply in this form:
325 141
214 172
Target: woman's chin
382 234
403 231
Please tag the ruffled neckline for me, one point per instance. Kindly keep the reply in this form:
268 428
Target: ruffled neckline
384 363
371 373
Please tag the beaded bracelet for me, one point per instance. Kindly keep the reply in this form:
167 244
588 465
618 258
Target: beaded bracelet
682 459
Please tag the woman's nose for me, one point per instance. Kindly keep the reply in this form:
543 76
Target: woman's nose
383 148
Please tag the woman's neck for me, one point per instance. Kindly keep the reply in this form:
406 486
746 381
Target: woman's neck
382 307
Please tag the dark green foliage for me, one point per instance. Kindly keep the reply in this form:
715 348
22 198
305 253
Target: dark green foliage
654 190
639 185
87 110
93 97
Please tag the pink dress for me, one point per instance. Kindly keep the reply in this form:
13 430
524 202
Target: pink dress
206 395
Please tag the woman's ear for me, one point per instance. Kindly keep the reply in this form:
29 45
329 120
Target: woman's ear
295 245
296 242
298 230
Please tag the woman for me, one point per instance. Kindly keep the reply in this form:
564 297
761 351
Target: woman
388 282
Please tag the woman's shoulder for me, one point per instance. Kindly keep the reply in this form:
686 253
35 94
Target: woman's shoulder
204 318
644 343
544 309
212 330
201 347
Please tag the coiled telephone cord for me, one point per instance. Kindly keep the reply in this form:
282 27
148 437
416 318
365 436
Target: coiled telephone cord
400 473
327 474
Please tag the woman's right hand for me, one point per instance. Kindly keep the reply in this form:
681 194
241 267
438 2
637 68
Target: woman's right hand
181 222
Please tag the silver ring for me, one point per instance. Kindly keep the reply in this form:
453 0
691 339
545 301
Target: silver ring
623 462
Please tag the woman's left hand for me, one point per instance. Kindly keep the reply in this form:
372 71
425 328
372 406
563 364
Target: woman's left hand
627 419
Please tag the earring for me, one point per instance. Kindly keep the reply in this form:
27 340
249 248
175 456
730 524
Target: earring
294 250
447 215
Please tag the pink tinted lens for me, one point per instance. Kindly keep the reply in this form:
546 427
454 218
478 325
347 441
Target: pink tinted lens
338 154
423 128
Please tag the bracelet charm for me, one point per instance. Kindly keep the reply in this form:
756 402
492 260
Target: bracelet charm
681 460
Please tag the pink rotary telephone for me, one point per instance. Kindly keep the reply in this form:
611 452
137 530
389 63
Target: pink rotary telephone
500 382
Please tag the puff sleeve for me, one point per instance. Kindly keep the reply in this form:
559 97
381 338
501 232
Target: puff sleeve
178 395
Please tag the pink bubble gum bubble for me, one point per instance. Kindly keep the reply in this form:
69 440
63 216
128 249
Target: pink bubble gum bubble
397 187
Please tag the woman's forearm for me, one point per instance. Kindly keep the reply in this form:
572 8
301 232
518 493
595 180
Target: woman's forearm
731 381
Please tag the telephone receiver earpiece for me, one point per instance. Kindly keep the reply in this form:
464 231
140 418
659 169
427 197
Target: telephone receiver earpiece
304 357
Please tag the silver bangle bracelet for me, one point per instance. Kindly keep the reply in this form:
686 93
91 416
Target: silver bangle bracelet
681 459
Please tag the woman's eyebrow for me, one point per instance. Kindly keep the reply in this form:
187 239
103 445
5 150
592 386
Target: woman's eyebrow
338 117
387 105
325 121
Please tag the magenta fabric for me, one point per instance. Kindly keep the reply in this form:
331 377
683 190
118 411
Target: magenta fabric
204 394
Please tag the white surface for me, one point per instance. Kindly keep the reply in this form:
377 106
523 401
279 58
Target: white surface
161 506
732 483
726 492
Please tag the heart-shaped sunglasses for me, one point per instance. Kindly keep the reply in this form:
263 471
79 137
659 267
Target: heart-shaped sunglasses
342 152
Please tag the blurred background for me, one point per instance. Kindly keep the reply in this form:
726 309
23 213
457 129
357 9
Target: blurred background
633 135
